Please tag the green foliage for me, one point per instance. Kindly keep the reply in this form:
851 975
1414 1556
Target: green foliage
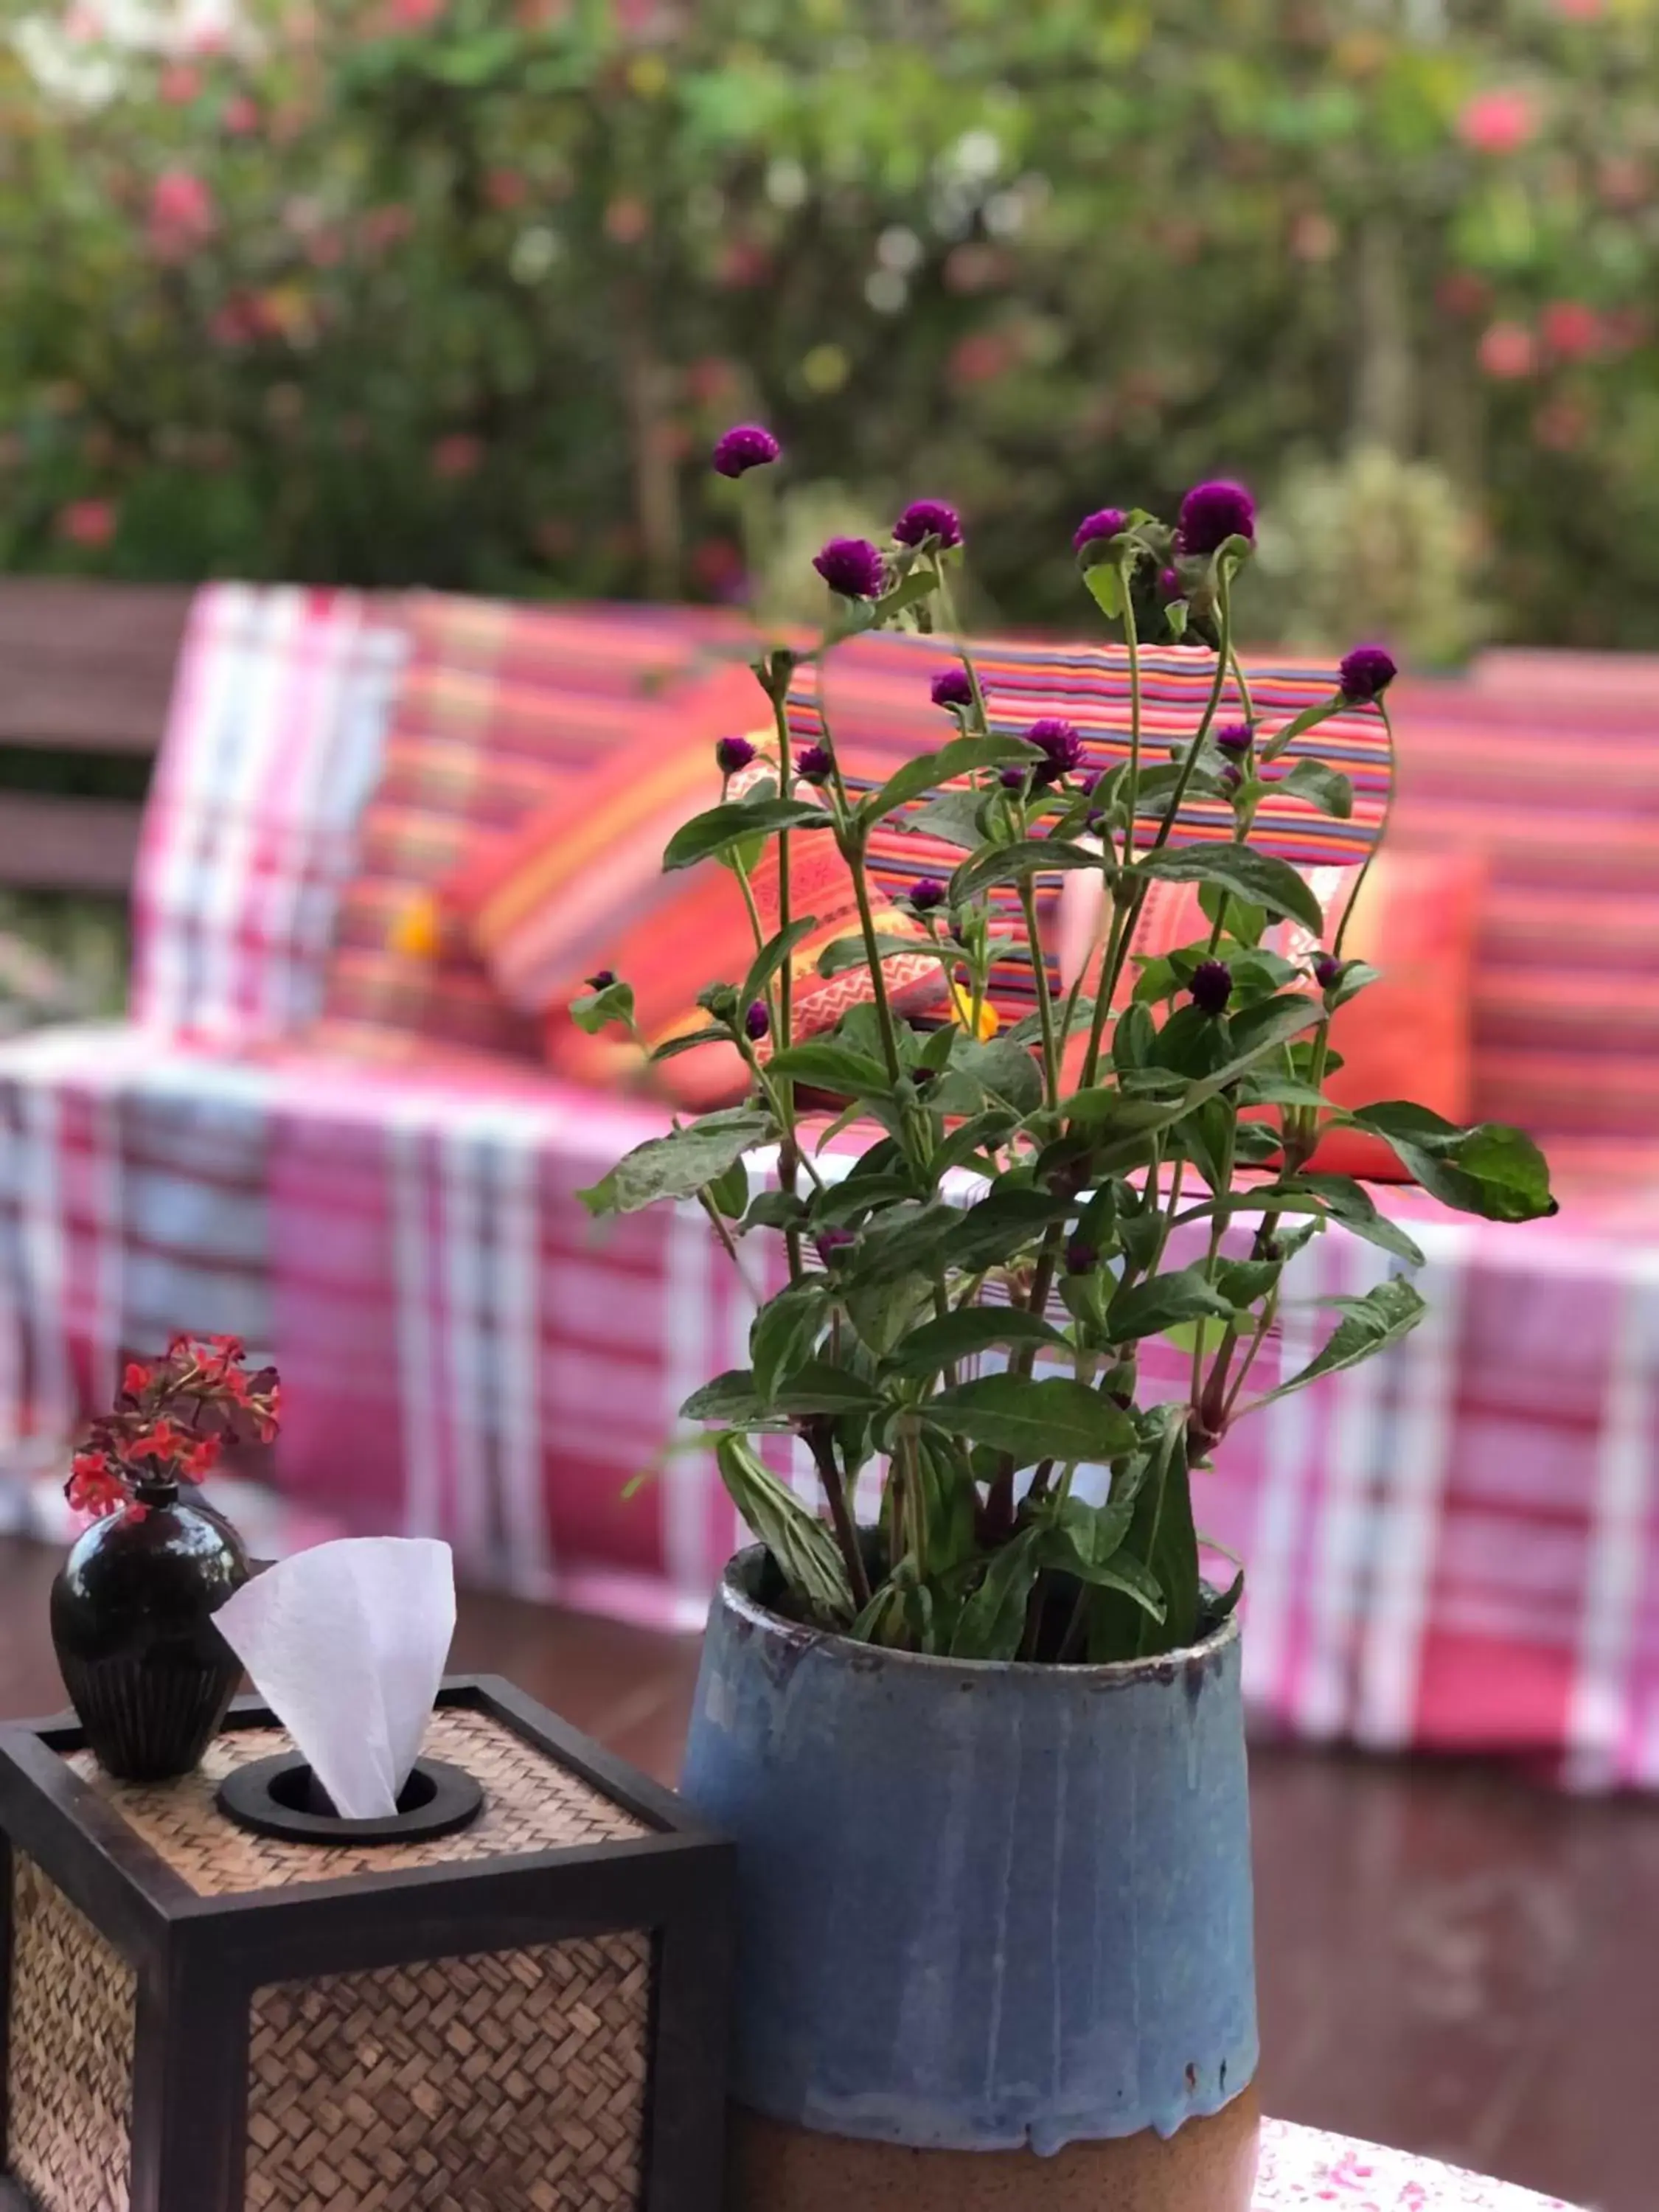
464 293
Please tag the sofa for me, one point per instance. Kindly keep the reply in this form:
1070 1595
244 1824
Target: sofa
356 1155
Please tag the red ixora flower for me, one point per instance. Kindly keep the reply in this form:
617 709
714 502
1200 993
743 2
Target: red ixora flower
173 1418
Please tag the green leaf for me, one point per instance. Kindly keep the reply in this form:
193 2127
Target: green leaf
1000 1226
1368 1324
1149 1308
1260 878
1028 1030
1007 864
962 756
1327 788
1491 1169
817 1386
678 1166
1245 922
770 957
784 1330
706 834
1308 719
905 1241
834 1067
993 1622
1104 581
909 592
1032 1419
598 1008
979 1133
852 952
729 1193
999 1071
1163 1534
953 819
1353 1205
675 1046
963 1334
1356 977
801 1545
1242 1282
1134 1035
729 1397
1087 1539
851 1199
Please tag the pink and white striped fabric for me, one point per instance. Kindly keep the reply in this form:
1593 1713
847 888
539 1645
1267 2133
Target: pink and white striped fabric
1303 2167
272 750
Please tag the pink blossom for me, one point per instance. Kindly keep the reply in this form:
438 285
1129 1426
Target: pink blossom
414 15
1497 122
181 214
241 116
1508 350
87 522
179 84
1571 331
506 188
387 226
457 455
1581 11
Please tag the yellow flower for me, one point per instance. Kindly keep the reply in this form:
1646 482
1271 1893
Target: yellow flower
989 1021
647 75
418 932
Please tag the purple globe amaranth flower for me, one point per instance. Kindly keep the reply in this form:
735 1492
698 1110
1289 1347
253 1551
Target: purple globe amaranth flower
1235 739
953 687
1213 513
757 1023
813 764
1105 522
745 446
1366 674
1060 745
1327 970
1211 987
1012 779
829 1241
733 755
928 518
852 567
1081 1257
1230 778
1169 586
602 980
928 892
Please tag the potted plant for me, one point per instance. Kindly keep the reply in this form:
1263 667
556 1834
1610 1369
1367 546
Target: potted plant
147 1671
982 1749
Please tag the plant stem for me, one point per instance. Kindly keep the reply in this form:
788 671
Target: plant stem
1224 592
1131 641
1045 1006
822 1447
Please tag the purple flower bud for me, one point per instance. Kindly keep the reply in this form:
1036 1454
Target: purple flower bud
1327 970
602 980
1169 586
928 518
1366 674
757 1023
1012 779
1235 739
1060 745
732 754
1230 777
852 567
813 764
953 687
926 893
1211 987
1213 513
1105 522
829 1241
744 445
1081 1257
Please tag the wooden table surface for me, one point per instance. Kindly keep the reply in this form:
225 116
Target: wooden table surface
1450 1959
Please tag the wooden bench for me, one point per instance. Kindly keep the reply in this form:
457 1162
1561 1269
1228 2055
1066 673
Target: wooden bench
85 668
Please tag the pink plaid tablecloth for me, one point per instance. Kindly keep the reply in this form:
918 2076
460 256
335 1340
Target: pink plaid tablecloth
1300 2166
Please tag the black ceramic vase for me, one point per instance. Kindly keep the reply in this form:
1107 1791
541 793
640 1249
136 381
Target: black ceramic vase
132 1612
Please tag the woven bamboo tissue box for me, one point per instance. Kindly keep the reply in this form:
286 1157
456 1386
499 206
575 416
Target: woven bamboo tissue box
529 2014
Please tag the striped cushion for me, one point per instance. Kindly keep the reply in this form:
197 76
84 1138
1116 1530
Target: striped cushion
877 710
501 709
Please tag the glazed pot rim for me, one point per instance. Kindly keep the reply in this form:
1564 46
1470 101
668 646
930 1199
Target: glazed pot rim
735 1594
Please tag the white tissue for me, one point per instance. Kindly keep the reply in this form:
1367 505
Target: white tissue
346 1643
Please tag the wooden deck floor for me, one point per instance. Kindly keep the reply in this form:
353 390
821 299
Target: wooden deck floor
1450 1959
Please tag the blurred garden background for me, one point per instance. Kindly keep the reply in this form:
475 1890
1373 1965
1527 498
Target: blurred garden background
455 291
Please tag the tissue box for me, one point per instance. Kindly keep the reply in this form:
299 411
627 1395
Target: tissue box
529 2016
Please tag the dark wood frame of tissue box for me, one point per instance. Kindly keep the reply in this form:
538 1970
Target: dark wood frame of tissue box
162 2044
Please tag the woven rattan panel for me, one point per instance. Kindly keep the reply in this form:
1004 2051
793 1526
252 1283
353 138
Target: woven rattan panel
509 2081
69 2070
531 1803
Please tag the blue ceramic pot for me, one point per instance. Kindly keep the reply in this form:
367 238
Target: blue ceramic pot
984 1907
